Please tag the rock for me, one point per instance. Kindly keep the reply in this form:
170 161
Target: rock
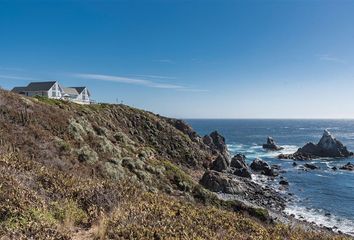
271 145
244 188
242 172
261 166
258 164
349 166
328 146
185 128
219 141
216 182
276 167
334 168
239 167
294 164
238 161
283 182
220 164
216 143
310 166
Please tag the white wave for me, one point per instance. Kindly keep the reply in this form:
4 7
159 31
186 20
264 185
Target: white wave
321 218
288 149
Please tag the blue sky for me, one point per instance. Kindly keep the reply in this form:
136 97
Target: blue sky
189 59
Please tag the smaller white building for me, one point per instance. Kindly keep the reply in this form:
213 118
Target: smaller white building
79 95
54 90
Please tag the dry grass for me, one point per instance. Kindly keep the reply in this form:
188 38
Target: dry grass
139 187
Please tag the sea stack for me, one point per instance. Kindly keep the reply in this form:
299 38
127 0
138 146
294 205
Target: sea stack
271 145
328 146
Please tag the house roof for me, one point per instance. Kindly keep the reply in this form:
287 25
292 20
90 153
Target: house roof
19 89
40 86
71 91
81 89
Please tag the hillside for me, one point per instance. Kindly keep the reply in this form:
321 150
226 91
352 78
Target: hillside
104 171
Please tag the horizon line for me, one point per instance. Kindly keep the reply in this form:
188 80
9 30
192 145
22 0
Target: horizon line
267 118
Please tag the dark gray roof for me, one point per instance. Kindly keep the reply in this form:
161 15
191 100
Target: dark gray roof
19 89
79 89
40 86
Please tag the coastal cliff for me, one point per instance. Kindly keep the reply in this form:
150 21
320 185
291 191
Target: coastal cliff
104 171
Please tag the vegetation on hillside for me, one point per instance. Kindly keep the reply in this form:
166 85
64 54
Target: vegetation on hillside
103 171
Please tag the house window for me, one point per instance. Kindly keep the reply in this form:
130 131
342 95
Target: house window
54 93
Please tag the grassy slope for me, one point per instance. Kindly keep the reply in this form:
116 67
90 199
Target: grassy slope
110 172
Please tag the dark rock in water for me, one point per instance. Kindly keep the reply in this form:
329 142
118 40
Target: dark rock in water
276 167
310 166
283 182
263 167
334 168
296 156
271 145
239 161
294 164
242 172
216 182
220 164
348 166
328 146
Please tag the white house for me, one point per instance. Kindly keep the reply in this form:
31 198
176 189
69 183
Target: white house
77 94
54 90
45 89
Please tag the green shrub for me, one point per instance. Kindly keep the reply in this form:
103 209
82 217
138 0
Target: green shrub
69 213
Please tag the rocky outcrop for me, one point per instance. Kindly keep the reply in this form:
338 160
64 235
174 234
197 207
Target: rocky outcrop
216 142
239 161
328 146
217 182
349 166
258 165
185 128
242 188
242 172
220 163
271 145
239 167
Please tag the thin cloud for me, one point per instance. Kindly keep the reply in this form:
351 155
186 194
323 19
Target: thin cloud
134 81
127 80
153 76
15 77
326 57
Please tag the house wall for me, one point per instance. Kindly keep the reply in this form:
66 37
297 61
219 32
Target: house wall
56 91
83 97
37 93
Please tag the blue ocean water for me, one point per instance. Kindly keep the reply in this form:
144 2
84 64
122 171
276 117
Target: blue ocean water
323 196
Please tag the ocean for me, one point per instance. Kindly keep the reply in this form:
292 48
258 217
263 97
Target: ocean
323 196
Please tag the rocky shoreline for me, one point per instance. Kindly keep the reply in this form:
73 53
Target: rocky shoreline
232 179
